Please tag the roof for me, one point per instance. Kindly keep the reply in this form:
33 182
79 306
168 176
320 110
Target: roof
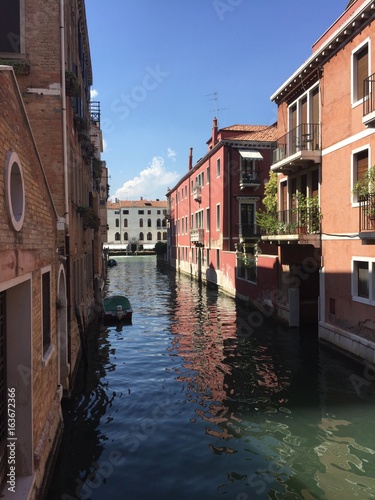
136 204
258 133
356 15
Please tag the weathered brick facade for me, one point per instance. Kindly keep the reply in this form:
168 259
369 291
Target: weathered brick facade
24 255
50 254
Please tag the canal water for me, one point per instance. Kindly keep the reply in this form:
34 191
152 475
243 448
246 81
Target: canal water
202 399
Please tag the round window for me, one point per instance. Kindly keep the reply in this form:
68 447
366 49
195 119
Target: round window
14 190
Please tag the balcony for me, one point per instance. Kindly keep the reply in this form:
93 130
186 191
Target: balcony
367 218
298 225
249 180
197 237
248 232
197 193
95 112
368 117
299 148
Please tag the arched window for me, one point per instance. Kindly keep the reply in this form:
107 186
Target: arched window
158 223
158 237
164 235
117 222
140 236
117 236
149 236
125 222
164 222
140 222
149 223
126 237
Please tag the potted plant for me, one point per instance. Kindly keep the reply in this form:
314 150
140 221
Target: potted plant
365 191
90 218
71 84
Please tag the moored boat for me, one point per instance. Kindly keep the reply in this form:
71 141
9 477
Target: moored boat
117 308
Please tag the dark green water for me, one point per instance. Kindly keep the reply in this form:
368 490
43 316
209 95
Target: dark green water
192 402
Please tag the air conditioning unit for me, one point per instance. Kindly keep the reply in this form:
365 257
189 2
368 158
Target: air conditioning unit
197 193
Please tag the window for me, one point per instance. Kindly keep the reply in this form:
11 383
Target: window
126 236
158 223
158 212
149 223
208 175
140 222
360 165
125 222
218 222
218 168
117 212
360 71
148 212
363 280
199 220
14 190
125 212
46 311
117 222
11 39
141 212
158 236
149 236
304 132
141 237
117 237
164 235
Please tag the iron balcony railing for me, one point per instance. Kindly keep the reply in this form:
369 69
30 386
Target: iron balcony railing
369 95
295 221
248 231
95 112
197 236
249 179
367 212
305 137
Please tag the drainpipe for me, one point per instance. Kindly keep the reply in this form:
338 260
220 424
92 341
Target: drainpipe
63 104
65 170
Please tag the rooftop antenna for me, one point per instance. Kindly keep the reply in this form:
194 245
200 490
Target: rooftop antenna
215 97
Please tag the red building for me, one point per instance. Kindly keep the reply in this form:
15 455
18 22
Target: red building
324 160
212 209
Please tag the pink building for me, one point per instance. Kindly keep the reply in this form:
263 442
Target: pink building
326 143
213 231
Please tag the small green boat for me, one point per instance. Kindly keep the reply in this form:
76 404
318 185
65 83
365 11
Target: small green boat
117 308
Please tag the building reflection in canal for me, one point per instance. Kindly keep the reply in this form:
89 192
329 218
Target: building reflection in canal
192 402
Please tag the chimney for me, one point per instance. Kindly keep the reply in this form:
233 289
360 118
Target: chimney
214 132
191 159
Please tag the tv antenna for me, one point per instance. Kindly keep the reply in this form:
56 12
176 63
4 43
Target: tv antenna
215 97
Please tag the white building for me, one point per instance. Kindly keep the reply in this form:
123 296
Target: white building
133 225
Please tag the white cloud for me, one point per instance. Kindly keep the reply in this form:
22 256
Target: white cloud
151 183
94 93
171 154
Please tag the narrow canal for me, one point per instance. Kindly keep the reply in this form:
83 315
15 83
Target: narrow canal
192 402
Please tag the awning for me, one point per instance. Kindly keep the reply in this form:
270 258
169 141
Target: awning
253 155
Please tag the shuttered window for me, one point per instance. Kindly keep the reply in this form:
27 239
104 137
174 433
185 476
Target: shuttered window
362 164
361 71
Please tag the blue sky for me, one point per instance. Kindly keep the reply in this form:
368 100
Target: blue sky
159 66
